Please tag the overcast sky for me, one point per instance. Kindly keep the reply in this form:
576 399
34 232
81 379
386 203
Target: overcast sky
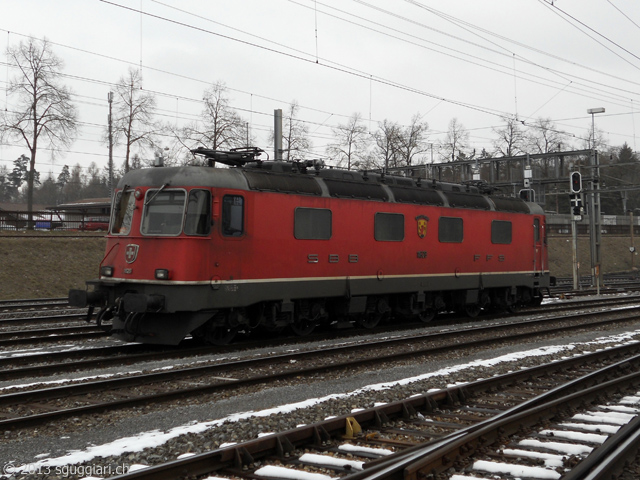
476 61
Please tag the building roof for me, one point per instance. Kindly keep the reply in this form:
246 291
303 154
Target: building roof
85 204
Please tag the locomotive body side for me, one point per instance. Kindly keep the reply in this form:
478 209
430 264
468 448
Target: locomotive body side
207 251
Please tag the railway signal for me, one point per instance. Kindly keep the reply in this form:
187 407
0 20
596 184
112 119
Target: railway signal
528 194
575 182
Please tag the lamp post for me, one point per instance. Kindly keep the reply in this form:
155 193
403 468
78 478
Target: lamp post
595 234
592 112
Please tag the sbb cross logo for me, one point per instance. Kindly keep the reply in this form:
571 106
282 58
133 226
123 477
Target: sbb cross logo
131 252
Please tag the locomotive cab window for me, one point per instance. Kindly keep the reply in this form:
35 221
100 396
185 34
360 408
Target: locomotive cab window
232 215
198 220
123 208
450 230
536 230
501 232
389 227
163 212
312 224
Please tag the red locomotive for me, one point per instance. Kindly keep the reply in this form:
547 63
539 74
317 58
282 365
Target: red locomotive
265 244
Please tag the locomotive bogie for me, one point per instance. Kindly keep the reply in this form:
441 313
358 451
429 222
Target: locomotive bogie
212 251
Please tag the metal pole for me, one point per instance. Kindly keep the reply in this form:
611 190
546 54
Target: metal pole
277 134
598 222
632 249
595 230
574 251
110 98
594 214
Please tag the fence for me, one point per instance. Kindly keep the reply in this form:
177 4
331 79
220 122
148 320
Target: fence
47 220
610 225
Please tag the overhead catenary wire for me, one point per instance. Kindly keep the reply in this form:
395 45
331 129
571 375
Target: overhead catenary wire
336 115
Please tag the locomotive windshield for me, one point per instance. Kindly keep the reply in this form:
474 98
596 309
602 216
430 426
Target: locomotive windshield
198 221
124 206
163 212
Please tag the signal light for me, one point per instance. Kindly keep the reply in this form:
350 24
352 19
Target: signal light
528 195
575 182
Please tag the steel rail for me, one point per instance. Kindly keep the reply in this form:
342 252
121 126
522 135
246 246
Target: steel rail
10 322
214 371
50 335
608 460
511 422
65 365
35 300
281 444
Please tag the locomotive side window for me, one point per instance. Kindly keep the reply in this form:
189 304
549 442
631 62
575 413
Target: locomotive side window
123 208
389 227
501 232
312 224
232 215
198 221
450 230
163 212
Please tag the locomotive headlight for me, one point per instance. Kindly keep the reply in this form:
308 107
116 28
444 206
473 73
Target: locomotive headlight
162 274
138 193
106 271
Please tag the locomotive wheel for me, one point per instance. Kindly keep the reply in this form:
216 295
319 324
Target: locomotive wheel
303 326
221 335
472 310
427 315
369 320
216 331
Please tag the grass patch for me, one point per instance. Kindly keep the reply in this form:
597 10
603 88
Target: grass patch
47 266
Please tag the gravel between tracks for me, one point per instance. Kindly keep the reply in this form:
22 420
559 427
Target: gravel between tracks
207 425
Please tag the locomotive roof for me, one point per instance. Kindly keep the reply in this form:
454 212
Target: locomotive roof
291 178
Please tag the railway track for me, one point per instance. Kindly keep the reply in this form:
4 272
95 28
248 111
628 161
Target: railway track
21 331
50 335
156 388
555 421
31 304
8 323
52 362
99 357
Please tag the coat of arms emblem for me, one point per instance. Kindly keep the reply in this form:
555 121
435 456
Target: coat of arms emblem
422 225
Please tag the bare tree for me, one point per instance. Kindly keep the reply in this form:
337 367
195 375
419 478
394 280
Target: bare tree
42 112
351 143
595 139
543 137
510 139
412 139
134 114
220 126
387 144
295 135
456 140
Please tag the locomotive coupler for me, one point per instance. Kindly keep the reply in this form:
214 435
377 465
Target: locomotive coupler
84 298
140 302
